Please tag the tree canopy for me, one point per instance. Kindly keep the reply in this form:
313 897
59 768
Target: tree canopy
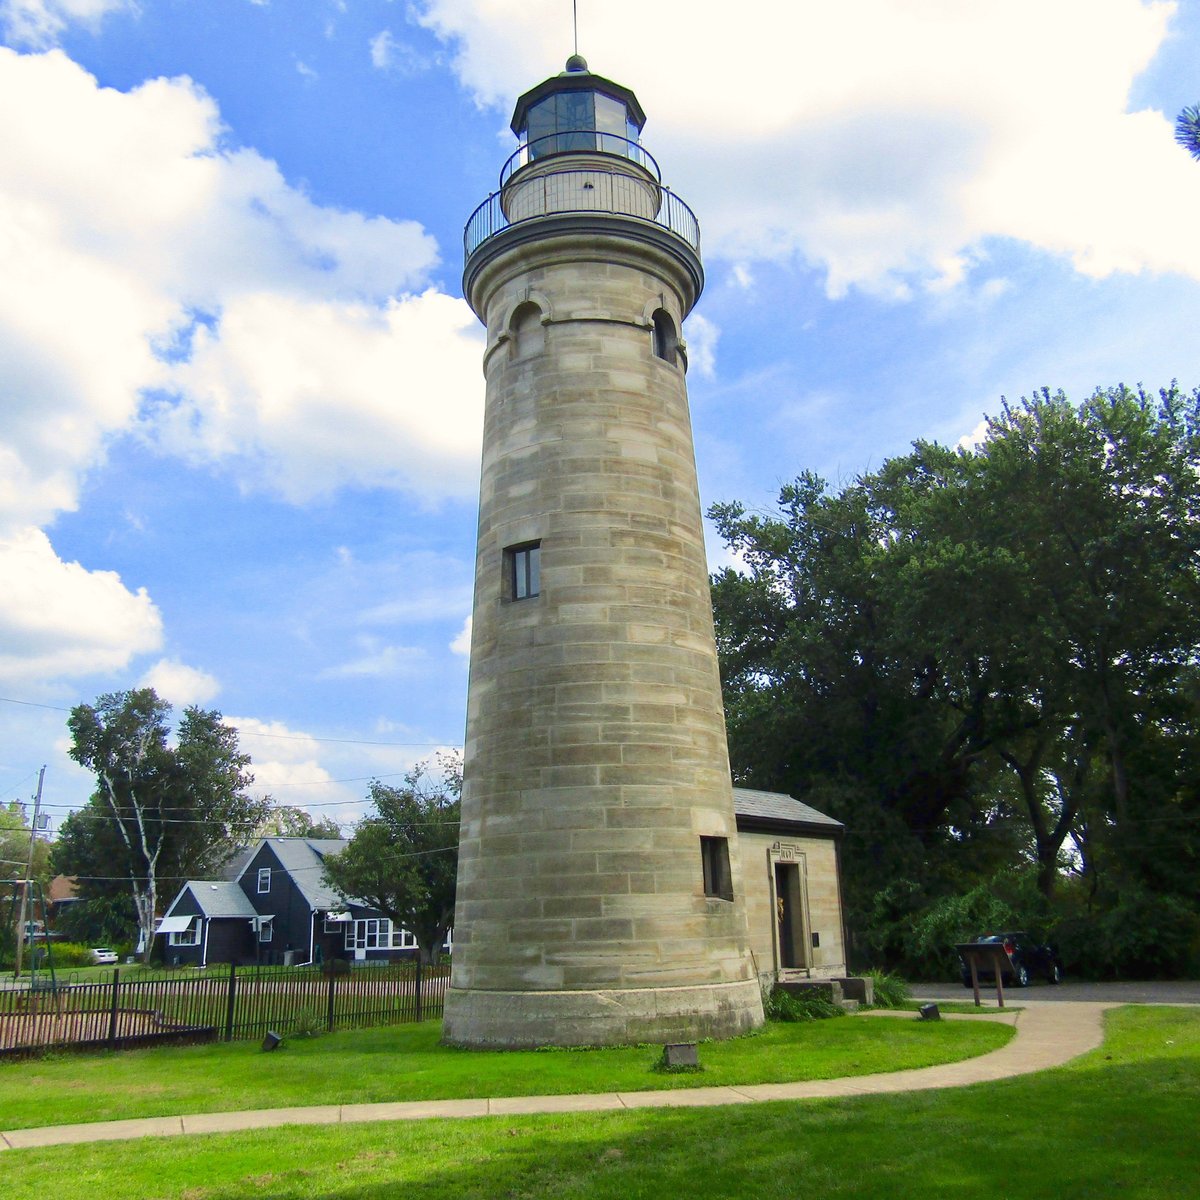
983 660
403 858
285 820
165 808
1187 130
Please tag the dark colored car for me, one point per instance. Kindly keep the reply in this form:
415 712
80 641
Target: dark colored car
1026 958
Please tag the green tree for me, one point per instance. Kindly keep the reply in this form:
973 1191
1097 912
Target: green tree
14 858
403 859
14 849
160 812
982 658
287 821
1187 130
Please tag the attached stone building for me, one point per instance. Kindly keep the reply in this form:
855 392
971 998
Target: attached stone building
791 876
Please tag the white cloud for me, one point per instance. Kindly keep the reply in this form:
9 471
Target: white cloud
388 53
40 23
326 777
702 335
180 684
301 396
58 619
155 281
462 641
127 230
974 439
378 660
381 49
882 140
285 764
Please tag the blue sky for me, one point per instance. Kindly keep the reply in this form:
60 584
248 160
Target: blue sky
240 393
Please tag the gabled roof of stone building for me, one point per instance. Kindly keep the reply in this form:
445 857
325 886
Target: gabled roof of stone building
775 810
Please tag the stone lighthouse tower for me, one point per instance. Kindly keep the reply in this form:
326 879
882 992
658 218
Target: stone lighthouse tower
599 885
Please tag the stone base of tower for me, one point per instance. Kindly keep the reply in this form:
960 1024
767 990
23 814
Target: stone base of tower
616 1017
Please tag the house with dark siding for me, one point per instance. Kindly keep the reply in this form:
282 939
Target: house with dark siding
278 909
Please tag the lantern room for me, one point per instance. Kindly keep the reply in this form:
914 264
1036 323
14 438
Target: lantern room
578 111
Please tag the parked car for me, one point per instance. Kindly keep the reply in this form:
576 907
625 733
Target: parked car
103 956
1026 958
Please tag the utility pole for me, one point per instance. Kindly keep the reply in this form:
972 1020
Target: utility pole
33 828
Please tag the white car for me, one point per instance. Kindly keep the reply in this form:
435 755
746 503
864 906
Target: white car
103 956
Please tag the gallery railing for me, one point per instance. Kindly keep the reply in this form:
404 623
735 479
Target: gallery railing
585 190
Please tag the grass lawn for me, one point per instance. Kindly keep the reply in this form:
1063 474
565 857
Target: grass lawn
406 1062
1118 1124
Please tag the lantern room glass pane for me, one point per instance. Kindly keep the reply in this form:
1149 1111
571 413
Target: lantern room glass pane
576 119
541 123
611 117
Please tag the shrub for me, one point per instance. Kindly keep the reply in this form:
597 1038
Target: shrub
308 1023
890 990
1009 900
70 954
1142 936
812 1004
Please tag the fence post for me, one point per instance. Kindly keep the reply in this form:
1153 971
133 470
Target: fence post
417 1017
230 1001
329 1005
112 1011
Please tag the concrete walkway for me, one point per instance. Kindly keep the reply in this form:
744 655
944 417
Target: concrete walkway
1047 1036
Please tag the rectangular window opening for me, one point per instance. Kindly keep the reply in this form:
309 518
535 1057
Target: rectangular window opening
264 879
523 566
714 857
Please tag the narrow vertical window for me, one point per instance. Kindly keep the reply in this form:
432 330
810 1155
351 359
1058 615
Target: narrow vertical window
523 565
714 859
666 340
264 879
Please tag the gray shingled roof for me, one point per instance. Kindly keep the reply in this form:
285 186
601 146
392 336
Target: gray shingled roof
303 859
220 898
233 867
776 807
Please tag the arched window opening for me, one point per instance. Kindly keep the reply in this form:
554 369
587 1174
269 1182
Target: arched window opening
666 340
528 332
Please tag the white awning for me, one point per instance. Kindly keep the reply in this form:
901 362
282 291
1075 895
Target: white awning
174 924
259 922
337 916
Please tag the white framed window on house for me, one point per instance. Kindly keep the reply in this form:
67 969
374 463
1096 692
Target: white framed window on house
336 922
264 880
266 929
378 933
371 933
187 937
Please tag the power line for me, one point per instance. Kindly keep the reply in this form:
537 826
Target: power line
294 871
286 737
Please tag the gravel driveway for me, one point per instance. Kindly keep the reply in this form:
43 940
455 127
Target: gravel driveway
1174 992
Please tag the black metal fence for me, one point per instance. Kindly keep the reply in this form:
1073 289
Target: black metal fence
225 1004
